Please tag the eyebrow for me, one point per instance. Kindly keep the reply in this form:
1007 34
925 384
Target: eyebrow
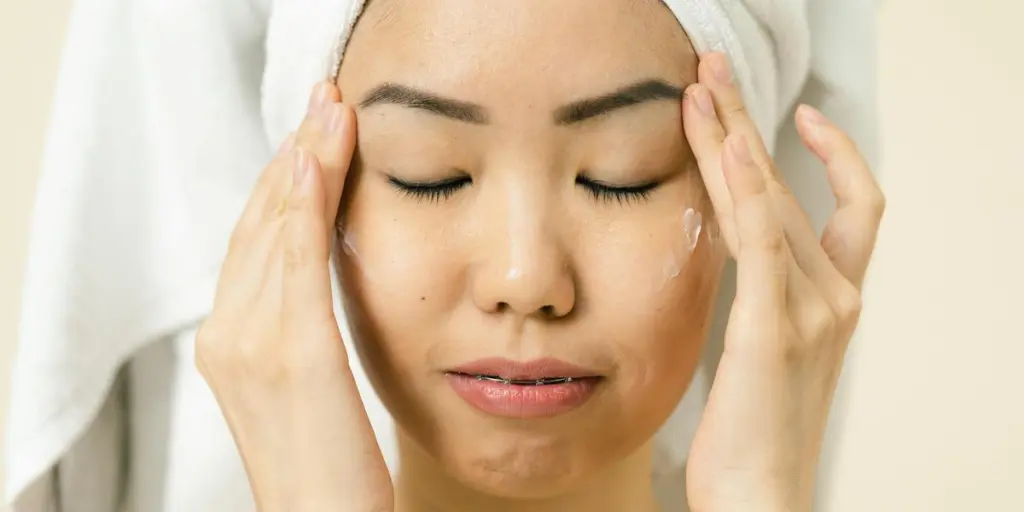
396 94
631 95
570 114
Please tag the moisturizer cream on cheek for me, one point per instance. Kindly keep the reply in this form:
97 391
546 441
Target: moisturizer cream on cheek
689 225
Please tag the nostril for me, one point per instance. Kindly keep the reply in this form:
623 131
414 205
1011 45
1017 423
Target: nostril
502 307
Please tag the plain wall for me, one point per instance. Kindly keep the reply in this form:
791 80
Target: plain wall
933 395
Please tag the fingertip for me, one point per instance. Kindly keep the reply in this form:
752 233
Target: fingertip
340 147
348 123
813 127
701 102
810 115
714 67
323 94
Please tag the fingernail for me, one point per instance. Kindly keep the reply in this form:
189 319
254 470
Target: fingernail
300 166
740 149
287 144
720 68
812 115
814 121
335 118
704 102
320 98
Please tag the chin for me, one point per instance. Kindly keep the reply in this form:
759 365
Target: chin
521 463
519 458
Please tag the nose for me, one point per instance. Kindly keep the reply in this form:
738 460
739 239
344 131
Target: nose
525 266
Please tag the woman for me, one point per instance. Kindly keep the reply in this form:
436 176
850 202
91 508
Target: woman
529 238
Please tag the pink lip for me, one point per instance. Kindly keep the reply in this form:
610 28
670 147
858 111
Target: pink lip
511 400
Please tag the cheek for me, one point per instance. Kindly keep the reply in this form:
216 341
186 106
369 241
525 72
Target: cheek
643 269
400 282
653 292
400 270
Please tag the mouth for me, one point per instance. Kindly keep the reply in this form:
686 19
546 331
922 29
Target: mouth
536 372
535 389
543 381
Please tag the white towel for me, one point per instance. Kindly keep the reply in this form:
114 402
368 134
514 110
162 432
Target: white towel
157 137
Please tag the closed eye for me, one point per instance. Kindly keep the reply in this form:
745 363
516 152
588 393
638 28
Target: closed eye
430 191
606 192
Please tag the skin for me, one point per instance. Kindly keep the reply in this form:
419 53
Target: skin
524 262
432 274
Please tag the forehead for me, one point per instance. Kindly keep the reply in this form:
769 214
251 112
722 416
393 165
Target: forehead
479 49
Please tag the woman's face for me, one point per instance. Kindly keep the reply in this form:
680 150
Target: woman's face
525 208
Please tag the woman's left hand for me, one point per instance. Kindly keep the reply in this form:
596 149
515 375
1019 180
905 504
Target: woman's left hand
797 304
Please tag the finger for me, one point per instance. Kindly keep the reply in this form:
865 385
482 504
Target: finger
763 259
715 73
331 404
850 236
305 249
329 132
316 134
805 246
252 253
706 138
255 208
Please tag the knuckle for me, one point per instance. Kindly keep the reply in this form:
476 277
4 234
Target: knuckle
821 323
777 185
295 258
734 108
210 345
877 202
229 354
272 354
258 357
204 341
794 352
773 241
295 204
789 348
311 349
849 304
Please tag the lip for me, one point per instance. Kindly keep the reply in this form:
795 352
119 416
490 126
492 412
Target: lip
526 370
523 401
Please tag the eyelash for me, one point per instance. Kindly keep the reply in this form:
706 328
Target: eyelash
622 195
432 192
435 192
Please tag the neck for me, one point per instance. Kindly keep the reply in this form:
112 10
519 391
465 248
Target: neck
423 486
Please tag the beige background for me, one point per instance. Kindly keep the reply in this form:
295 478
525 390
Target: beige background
934 393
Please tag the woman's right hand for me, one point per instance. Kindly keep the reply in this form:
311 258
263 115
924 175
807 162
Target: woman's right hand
271 350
